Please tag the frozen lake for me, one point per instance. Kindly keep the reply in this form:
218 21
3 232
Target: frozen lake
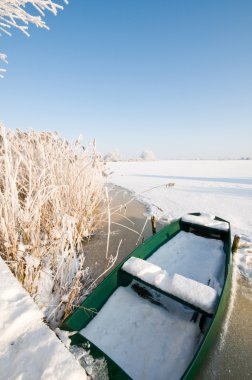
222 188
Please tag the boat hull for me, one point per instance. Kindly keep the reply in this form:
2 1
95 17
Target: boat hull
83 315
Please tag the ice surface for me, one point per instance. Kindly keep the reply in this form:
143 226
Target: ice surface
222 188
215 187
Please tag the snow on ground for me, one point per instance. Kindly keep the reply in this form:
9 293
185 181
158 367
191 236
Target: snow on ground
222 188
29 350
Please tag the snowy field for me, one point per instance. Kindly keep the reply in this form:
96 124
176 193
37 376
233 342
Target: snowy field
222 188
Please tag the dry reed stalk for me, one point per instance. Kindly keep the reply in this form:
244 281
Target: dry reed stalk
51 193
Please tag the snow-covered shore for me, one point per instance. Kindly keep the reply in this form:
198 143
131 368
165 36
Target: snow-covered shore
29 349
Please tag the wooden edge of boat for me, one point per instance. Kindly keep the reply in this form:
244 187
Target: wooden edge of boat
211 334
83 315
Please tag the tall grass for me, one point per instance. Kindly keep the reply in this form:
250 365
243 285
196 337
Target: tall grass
51 194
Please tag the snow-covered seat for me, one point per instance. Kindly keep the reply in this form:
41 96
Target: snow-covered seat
206 220
192 293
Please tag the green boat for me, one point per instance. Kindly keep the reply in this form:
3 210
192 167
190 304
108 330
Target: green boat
157 314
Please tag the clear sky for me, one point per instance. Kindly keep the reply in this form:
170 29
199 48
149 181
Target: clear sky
174 77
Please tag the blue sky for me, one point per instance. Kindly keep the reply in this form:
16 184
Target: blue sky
171 76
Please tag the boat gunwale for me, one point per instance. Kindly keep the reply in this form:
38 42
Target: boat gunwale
209 337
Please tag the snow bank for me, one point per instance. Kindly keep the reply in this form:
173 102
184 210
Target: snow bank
188 290
29 350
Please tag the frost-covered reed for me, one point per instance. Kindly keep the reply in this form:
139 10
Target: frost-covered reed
51 194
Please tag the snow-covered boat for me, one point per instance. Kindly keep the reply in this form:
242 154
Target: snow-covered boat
157 314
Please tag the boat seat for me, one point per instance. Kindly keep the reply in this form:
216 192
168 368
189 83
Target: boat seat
191 293
206 220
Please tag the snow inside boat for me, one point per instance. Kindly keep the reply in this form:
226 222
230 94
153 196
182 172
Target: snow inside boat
157 313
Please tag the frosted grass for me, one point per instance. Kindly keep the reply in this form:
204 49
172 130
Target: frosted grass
51 193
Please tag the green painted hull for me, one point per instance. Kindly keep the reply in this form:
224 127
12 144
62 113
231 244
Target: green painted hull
82 316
